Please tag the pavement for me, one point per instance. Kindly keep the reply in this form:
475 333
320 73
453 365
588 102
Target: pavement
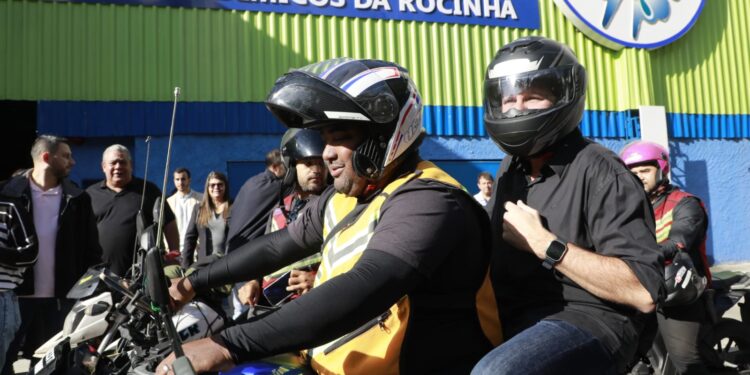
21 367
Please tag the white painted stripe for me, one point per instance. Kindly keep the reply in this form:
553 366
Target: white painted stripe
361 82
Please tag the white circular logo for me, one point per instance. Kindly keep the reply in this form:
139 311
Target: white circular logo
632 23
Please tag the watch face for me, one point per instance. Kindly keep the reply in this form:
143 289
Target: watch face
556 250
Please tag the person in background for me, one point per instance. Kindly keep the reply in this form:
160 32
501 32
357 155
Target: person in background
209 231
484 183
117 201
576 269
184 203
681 225
65 227
301 151
255 200
18 250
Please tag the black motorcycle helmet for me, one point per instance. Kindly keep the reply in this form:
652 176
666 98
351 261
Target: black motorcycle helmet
379 95
18 243
299 144
684 284
539 66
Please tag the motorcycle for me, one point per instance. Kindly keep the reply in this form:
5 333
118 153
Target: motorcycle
726 346
118 325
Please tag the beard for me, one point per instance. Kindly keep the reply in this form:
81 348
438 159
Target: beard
350 185
60 172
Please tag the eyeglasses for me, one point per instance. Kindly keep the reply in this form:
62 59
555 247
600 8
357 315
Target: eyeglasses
216 186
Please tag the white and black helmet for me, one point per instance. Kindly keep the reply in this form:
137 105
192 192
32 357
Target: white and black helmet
540 65
379 95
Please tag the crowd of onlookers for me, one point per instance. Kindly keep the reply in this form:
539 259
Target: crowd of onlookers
79 228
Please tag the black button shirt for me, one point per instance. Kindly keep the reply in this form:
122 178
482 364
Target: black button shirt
116 219
585 196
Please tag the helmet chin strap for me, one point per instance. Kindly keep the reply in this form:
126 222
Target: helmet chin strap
661 183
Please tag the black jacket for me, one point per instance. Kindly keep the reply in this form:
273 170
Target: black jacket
77 246
257 197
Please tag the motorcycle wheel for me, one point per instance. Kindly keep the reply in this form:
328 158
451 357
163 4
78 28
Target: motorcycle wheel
731 344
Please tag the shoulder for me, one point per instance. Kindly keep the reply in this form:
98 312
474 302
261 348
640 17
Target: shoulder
71 188
151 189
263 180
421 194
96 188
686 201
15 186
601 167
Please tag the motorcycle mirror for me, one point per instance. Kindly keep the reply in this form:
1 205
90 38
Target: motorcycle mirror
156 283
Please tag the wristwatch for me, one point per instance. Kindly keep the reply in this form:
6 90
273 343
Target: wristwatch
555 252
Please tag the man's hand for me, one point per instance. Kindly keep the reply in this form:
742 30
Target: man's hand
181 292
523 229
249 293
207 354
301 281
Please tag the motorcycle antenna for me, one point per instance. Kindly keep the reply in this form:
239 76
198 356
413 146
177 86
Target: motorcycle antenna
145 173
140 220
157 284
160 227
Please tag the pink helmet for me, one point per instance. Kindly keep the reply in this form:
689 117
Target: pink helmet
644 151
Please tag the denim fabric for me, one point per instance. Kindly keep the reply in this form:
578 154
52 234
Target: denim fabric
10 320
548 347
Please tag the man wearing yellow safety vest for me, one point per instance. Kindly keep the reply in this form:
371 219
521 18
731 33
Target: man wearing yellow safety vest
403 285
681 224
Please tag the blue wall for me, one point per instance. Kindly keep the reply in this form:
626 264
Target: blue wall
718 170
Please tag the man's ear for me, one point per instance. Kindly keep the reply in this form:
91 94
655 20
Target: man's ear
46 156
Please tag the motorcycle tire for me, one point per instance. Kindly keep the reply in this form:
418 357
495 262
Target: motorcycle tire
731 344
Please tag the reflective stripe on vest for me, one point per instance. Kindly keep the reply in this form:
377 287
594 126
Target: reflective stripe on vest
664 219
375 347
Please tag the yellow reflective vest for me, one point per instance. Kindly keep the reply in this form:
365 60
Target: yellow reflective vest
375 347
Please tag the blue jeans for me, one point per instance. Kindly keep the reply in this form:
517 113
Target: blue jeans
548 347
10 320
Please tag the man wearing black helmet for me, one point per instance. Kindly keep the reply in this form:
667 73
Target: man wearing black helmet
575 267
306 177
403 280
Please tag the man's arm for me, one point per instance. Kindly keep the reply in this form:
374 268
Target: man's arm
93 249
328 311
191 241
689 224
253 260
606 277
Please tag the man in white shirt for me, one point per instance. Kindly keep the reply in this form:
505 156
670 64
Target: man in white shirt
68 242
184 203
484 183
